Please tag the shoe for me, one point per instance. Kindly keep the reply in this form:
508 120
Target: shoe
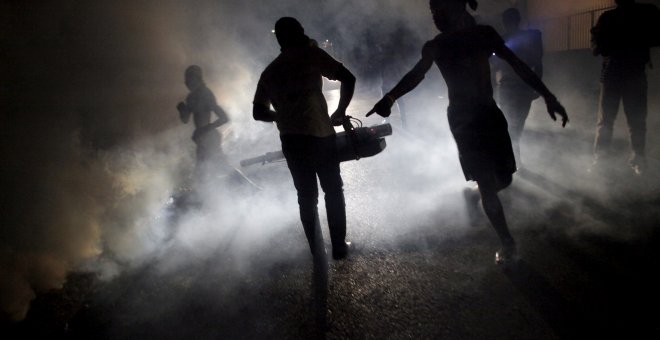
341 252
638 167
506 256
595 168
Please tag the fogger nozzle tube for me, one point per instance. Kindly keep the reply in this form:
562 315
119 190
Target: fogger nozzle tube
269 157
352 144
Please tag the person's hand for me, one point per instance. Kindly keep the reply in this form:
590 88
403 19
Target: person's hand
182 107
338 118
184 113
554 108
383 107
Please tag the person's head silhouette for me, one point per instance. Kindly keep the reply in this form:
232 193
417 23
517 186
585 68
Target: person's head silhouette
449 15
439 3
511 19
624 2
290 33
193 77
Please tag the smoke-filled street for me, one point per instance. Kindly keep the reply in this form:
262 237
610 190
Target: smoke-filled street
422 266
106 233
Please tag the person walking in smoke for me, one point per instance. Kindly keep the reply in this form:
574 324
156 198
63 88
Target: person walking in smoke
462 53
515 96
199 104
292 83
623 37
211 162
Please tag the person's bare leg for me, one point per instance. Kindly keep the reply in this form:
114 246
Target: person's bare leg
488 187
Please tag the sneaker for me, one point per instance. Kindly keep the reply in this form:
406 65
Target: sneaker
341 252
506 256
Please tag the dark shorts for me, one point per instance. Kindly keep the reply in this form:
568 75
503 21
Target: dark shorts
482 138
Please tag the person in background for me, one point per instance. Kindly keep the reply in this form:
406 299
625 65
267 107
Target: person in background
201 104
515 96
623 37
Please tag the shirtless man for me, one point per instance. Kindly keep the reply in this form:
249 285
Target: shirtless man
199 104
462 53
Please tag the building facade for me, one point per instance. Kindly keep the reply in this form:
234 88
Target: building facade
566 24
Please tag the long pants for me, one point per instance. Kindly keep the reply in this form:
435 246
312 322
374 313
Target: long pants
307 158
515 102
631 89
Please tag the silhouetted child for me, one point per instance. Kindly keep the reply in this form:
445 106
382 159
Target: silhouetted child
462 53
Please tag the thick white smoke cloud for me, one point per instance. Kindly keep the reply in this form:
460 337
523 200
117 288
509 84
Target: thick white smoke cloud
95 150
93 146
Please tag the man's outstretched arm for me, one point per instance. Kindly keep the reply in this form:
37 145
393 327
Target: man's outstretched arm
405 85
526 74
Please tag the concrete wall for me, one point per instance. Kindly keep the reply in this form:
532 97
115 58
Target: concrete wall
540 9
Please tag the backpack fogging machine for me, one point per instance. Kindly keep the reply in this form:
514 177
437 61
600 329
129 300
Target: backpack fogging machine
352 144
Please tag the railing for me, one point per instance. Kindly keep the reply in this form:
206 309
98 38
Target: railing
569 33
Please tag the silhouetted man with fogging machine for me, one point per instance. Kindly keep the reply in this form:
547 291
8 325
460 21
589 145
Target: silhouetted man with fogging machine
292 83
515 96
623 37
462 53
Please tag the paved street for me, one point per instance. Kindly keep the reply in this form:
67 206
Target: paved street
422 265
102 236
